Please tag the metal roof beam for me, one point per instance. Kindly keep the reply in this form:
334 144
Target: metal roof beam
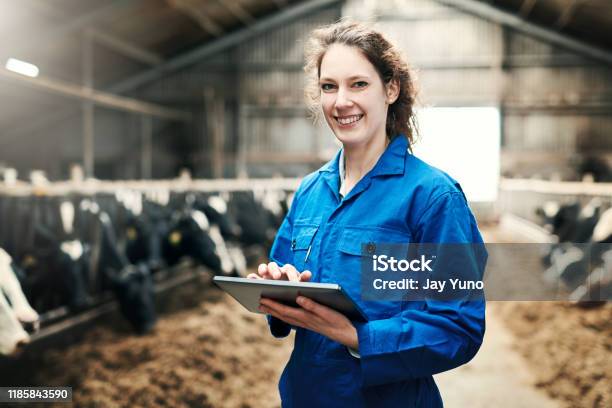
517 23
282 17
125 48
232 39
100 98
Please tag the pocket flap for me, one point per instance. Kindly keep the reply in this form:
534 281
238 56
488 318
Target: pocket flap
353 238
302 237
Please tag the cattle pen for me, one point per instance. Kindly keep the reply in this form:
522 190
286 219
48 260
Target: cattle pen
58 320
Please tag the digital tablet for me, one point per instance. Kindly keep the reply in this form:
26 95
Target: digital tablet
248 292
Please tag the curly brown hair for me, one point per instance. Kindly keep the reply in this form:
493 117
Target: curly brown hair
382 54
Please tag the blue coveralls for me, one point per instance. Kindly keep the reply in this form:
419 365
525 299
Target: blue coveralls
402 199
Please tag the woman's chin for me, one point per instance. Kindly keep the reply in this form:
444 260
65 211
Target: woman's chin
352 141
348 136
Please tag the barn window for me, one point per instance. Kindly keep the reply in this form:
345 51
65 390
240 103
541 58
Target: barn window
464 142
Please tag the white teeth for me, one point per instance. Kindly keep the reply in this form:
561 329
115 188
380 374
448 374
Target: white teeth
349 119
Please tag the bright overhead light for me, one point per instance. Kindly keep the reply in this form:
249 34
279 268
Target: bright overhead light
22 67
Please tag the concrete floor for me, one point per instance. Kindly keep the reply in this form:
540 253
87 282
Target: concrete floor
497 377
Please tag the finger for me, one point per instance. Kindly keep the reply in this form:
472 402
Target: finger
282 317
291 272
316 308
274 270
305 276
253 276
279 310
262 270
296 313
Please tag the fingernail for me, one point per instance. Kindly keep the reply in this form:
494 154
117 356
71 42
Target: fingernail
300 300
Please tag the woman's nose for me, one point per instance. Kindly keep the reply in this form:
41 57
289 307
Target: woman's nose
343 99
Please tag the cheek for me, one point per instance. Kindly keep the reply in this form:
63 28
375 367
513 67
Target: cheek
378 112
327 104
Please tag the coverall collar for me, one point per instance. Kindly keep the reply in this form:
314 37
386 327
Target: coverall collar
391 162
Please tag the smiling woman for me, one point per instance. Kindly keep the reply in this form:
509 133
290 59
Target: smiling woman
374 191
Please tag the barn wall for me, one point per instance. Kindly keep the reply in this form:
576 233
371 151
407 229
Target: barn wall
556 105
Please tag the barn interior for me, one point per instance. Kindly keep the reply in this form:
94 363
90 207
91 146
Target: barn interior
129 124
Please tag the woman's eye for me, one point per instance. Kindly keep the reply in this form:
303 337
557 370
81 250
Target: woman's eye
327 87
360 84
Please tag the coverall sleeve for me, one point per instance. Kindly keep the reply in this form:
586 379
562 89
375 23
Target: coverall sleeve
438 335
281 254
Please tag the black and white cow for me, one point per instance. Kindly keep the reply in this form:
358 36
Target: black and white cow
12 335
132 284
572 262
53 262
9 284
191 235
15 310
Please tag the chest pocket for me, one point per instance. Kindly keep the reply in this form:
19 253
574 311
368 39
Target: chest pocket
365 241
356 246
301 244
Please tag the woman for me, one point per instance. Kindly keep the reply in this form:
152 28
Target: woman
373 191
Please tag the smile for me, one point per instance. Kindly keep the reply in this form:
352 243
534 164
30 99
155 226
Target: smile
347 120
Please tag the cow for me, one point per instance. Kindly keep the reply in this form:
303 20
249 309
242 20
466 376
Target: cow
12 335
131 284
216 210
9 284
191 235
15 311
144 234
596 289
53 262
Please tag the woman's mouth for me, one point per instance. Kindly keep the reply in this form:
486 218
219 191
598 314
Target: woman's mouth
347 121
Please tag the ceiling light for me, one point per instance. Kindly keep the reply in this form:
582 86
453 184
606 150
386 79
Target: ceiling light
22 67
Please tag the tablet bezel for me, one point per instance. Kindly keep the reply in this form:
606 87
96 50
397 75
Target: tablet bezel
248 292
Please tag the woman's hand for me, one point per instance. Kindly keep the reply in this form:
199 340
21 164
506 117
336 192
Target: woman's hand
316 317
286 272
311 315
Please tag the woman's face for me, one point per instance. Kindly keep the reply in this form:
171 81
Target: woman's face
353 97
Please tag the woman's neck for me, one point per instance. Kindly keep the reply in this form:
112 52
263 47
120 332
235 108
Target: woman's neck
360 159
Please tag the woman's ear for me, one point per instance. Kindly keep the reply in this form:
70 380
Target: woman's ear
392 90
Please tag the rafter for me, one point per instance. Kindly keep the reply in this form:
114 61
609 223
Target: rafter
194 10
517 23
263 25
125 47
280 3
526 7
237 11
567 14
85 93
231 39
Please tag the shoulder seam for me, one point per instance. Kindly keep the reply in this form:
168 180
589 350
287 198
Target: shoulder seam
434 201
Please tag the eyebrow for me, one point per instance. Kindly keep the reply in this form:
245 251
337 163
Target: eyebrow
352 78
